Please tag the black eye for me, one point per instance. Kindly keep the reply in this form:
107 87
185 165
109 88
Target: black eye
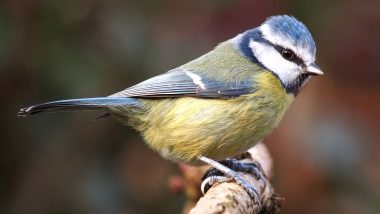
288 54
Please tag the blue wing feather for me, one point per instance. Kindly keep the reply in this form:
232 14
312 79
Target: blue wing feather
178 83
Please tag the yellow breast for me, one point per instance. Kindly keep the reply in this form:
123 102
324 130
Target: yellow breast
183 129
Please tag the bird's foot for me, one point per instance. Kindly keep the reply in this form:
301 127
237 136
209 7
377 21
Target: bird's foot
226 171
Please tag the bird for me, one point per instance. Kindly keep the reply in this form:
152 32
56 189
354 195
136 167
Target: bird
218 105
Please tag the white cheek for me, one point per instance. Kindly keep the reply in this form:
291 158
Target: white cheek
268 56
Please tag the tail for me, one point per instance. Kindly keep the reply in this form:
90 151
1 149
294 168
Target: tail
77 104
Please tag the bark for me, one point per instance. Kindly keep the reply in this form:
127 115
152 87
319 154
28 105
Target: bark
229 197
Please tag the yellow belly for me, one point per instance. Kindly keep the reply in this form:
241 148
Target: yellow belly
183 129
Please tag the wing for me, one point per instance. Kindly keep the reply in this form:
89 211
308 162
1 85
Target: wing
187 83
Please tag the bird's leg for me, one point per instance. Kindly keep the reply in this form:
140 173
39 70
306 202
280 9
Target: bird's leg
214 176
251 168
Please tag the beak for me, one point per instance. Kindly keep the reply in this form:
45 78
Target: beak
313 69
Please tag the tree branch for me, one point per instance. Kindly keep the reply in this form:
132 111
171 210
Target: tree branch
229 197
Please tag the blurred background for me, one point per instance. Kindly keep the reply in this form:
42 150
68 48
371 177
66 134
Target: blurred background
326 150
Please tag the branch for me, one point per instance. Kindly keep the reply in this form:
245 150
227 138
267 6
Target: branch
229 197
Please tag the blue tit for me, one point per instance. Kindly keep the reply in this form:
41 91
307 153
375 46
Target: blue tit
220 104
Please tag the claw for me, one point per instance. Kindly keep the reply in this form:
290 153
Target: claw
213 176
209 181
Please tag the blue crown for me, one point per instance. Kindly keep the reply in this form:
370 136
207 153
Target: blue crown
292 30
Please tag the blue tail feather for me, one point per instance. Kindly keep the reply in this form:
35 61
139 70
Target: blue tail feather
77 104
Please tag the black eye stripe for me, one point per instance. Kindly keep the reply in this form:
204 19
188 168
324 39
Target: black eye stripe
279 49
256 35
294 59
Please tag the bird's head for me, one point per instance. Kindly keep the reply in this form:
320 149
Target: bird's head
284 46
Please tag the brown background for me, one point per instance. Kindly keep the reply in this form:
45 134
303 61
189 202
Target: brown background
326 150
